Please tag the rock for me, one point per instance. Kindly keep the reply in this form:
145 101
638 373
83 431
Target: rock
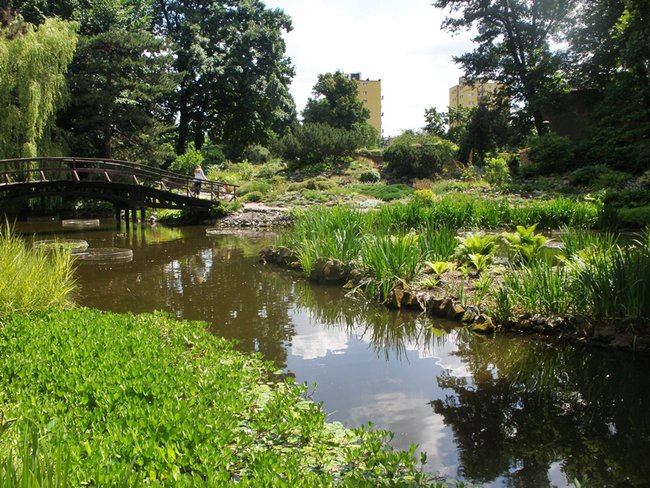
483 325
454 311
471 313
604 334
623 341
349 285
399 297
328 271
438 306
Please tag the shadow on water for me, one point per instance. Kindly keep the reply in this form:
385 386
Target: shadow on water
506 411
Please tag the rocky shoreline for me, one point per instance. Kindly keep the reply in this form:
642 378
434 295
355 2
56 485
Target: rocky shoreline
571 328
257 215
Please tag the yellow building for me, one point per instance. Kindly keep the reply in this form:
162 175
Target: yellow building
470 95
369 92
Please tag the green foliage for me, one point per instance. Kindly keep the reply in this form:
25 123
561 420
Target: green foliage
256 154
234 69
475 243
123 399
575 241
538 287
513 47
335 103
212 154
599 176
438 241
314 143
33 279
551 153
390 260
253 186
33 66
487 131
418 155
614 283
524 244
254 196
497 172
185 163
270 169
370 176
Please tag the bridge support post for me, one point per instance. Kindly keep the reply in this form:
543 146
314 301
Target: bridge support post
134 217
143 215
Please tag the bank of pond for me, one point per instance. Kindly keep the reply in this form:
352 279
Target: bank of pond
571 281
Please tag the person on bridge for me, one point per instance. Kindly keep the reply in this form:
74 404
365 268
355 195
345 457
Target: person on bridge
199 176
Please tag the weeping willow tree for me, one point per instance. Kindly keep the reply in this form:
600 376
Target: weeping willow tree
33 64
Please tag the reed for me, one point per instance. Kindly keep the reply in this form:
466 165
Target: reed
538 287
389 260
33 279
615 283
438 242
576 240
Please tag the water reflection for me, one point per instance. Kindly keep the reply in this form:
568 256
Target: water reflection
529 408
503 412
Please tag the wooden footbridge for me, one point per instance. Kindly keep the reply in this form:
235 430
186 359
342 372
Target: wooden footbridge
128 186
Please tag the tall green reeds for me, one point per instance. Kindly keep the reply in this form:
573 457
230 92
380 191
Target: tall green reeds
33 279
389 260
615 283
539 287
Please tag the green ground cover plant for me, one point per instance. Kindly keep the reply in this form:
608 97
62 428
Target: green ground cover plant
132 400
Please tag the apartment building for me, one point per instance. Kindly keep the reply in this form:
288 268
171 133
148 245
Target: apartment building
470 95
369 92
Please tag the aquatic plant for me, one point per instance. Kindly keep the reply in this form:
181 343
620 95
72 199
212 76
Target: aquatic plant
475 243
130 400
538 287
615 283
32 279
390 259
438 242
524 245
576 240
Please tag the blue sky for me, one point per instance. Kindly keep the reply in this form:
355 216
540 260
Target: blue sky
397 41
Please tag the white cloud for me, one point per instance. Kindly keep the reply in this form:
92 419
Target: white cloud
399 42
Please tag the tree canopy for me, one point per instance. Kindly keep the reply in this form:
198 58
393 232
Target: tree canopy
33 64
335 103
513 40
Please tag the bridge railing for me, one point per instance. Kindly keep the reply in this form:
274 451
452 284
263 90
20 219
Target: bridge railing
108 171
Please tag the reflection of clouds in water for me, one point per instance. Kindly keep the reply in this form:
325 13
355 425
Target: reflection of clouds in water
455 365
395 411
317 343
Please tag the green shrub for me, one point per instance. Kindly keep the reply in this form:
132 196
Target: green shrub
638 217
551 153
212 154
256 154
370 176
418 155
315 143
185 163
253 186
254 196
599 176
497 172
270 169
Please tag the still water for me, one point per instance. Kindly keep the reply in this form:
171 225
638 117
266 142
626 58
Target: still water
501 412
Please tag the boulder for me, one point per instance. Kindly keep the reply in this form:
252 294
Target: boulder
454 311
482 325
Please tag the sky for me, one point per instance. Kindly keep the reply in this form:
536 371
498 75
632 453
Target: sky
397 41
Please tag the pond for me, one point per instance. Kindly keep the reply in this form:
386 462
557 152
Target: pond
503 411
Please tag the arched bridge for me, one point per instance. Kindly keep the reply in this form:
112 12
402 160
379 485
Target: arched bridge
126 185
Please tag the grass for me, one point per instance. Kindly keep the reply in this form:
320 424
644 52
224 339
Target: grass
382 191
134 400
33 278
